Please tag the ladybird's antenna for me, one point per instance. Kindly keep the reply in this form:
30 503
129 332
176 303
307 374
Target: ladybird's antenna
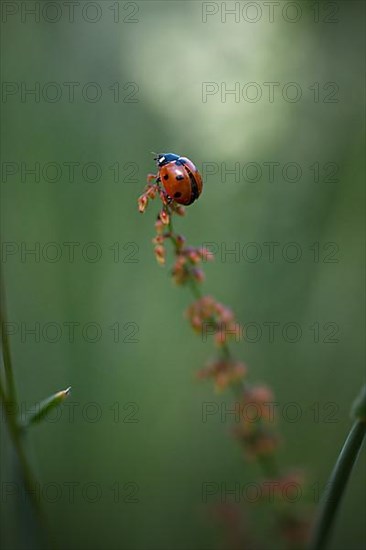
156 155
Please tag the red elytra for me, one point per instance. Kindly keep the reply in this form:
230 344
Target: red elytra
180 178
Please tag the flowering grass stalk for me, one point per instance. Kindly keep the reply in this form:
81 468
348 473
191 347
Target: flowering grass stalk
258 438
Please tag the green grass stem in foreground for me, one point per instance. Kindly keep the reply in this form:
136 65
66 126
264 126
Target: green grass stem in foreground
331 499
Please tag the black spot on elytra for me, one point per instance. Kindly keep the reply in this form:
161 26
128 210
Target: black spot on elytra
166 177
177 195
179 177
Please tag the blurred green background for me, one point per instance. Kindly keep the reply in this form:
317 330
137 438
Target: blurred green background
160 54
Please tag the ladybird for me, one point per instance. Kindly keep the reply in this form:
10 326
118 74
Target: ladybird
179 177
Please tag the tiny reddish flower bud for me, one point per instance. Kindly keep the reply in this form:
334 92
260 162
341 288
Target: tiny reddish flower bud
180 240
257 443
193 255
262 398
206 254
259 394
151 177
196 323
160 254
224 313
209 300
164 217
224 372
159 226
151 191
180 274
198 275
179 210
142 203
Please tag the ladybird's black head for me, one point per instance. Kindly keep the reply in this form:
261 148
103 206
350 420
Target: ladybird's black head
165 158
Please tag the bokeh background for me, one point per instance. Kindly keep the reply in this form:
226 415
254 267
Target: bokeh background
160 54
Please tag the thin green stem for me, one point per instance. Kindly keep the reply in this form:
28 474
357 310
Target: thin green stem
2 392
17 437
10 391
336 487
15 433
8 398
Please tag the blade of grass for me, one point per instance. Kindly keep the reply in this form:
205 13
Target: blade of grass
332 496
46 406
